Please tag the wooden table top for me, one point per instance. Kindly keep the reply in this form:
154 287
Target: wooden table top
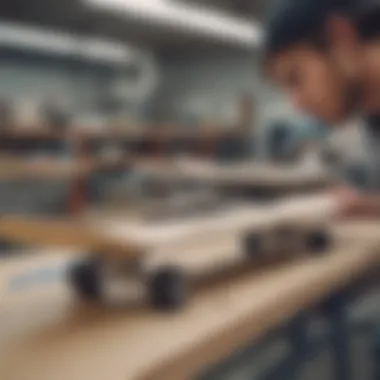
46 335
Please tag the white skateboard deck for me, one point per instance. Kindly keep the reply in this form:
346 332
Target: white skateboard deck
188 243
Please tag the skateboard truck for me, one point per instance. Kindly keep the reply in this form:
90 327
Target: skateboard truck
119 265
318 241
84 277
259 245
166 287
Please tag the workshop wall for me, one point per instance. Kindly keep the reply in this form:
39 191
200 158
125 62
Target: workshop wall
198 88
82 88
204 87
29 79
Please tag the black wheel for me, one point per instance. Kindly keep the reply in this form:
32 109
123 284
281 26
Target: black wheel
168 289
84 278
253 246
318 241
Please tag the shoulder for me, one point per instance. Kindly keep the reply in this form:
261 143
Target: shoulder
348 143
345 153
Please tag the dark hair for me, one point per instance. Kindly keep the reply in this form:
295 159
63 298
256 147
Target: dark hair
367 23
302 21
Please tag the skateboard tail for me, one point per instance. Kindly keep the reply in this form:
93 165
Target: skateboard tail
46 232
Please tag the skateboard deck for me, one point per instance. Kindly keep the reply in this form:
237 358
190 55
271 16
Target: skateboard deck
50 232
127 239
167 256
168 239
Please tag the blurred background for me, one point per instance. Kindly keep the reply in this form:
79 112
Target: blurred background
149 107
109 79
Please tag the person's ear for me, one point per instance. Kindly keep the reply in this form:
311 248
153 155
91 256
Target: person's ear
342 40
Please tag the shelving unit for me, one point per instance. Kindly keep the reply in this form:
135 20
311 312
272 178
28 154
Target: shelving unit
156 139
36 153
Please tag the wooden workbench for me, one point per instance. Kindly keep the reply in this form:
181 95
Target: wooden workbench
47 335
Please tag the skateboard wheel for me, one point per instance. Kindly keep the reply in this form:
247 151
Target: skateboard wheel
84 278
318 241
253 245
168 289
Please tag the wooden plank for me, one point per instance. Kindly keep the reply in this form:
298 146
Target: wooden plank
48 336
50 232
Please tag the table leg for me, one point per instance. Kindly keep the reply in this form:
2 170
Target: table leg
298 337
376 354
335 309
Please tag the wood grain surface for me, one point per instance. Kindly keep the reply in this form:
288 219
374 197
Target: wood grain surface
47 335
69 234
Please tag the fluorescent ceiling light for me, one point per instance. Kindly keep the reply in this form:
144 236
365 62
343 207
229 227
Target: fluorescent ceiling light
17 36
61 44
193 19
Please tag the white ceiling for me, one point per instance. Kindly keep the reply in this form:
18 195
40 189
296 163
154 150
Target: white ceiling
192 19
164 25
